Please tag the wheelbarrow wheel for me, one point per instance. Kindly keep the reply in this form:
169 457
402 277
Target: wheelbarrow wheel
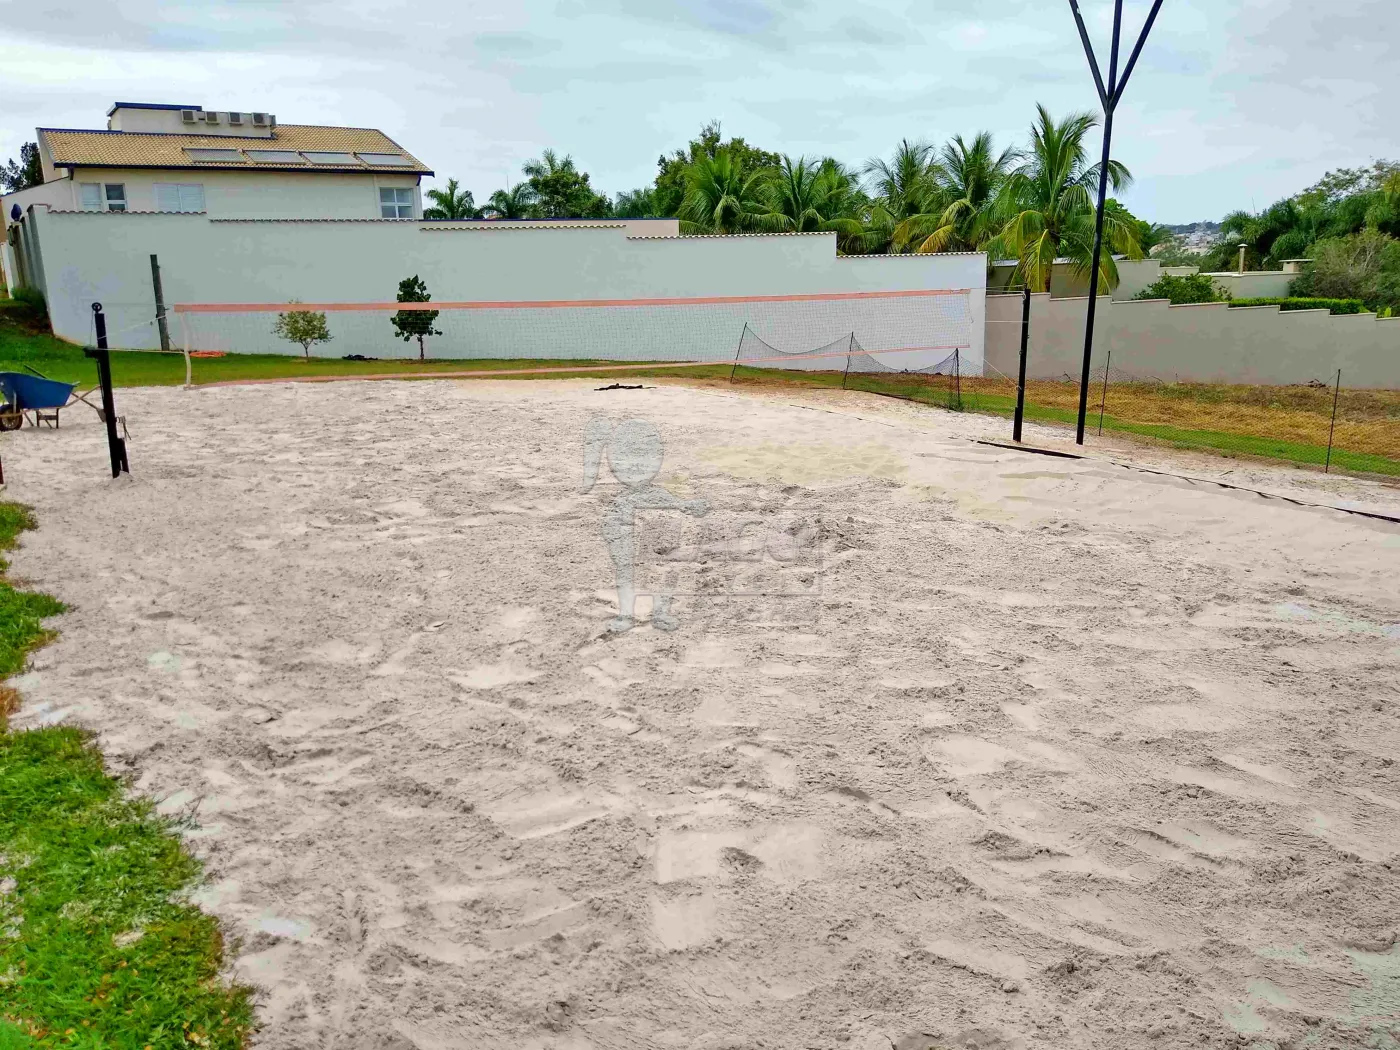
11 418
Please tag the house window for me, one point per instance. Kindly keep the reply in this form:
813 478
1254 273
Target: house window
179 196
116 196
90 196
396 203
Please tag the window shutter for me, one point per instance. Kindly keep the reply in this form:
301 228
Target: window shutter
91 196
167 196
192 197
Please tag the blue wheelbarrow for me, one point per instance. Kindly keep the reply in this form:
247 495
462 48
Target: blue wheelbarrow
41 397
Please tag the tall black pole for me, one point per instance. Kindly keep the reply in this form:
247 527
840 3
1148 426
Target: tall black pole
116 447
1021 378
1109 95
1108 103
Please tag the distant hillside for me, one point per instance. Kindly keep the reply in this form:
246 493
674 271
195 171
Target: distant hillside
1182 229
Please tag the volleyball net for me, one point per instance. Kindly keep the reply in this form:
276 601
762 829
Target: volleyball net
898 329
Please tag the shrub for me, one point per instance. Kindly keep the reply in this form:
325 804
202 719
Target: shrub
1364 266
1196 288
1336 306
31 308
303 327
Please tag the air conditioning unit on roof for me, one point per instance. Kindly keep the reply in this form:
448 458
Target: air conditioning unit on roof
264 120
189 116
210 117
235 117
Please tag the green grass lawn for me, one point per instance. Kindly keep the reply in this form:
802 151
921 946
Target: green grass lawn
1261 446
21 346
98 948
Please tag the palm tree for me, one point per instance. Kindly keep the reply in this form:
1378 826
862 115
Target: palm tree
721 197
1282 230
636 204
1045 210
452 203
517 202
969 177
810 196
904 186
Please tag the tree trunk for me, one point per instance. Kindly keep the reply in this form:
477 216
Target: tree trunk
420 348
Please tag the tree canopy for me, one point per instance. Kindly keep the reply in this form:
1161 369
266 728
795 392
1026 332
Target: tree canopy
29 171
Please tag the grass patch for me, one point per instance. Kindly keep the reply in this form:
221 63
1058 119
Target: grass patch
99 949
21 612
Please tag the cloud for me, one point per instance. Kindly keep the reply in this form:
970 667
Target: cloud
1234 101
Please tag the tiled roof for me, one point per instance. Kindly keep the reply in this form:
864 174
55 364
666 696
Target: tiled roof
132 149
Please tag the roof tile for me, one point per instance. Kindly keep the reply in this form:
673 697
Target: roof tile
131 149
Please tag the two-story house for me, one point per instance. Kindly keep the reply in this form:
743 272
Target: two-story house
154 157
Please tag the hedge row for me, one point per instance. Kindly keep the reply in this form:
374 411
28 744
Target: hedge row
1336 306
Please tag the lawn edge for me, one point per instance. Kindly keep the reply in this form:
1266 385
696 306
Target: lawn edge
222 945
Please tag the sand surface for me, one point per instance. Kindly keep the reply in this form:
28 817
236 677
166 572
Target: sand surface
1048 753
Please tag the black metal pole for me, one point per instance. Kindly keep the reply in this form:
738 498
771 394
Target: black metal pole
738 350
161 325
1336 396
1108 105
850 349
1103 396
116 447
1021 379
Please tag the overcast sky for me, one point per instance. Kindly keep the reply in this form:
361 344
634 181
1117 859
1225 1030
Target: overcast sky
1235 102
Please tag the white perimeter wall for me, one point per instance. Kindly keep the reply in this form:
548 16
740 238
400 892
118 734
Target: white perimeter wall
102 257
1210 342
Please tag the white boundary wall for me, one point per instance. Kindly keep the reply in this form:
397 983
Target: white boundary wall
1204 343
105 257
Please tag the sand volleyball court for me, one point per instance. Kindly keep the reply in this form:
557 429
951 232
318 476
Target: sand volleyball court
971 748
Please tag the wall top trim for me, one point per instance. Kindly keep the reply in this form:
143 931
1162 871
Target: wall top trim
912 255
723 236
435 227
116 214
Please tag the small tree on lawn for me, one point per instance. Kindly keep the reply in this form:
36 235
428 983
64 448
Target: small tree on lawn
306 327
414 324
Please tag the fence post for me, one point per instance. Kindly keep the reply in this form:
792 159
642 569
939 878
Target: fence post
1021 380
850 348
116 447
160 306
1336 395
1103 396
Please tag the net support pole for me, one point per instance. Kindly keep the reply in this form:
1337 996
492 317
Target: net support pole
1332 430
850 349
738 350
116 447
1021 378
1103 394
161 325
185 334
1109 95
